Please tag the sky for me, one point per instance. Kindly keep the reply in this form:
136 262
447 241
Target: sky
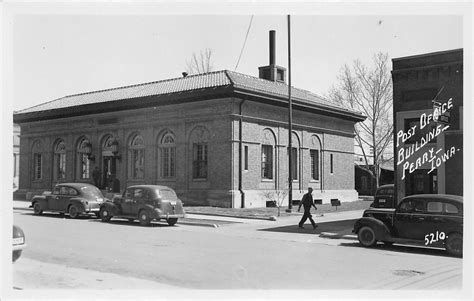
59 53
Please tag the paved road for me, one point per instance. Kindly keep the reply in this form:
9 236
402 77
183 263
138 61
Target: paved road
247 255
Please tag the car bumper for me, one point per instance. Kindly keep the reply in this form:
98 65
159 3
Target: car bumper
18 247
168 215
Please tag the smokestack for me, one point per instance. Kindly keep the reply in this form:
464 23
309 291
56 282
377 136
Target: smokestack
272 47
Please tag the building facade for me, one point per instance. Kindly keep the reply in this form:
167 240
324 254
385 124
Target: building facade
218 139
428 120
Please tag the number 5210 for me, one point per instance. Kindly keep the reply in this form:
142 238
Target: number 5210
434 237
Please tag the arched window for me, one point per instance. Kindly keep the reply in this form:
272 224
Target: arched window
268 144
136 158
83 163
295 146
315 153
167 155
59 161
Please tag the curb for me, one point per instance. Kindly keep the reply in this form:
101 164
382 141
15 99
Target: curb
266 218
337 236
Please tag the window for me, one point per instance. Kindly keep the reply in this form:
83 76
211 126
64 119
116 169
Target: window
267 162
412 206
83 160
435 207
38 166
168 156
56 190
331 163
294 163
59 171
314 164
450 209
246 157
136 158
200 160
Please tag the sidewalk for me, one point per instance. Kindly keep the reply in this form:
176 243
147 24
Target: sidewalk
209 220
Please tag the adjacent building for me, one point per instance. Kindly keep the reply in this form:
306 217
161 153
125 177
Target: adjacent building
428 120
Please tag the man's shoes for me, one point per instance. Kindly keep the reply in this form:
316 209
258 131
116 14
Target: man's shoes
315 226
301 227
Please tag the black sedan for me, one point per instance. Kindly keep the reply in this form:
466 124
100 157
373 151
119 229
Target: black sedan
432 220
18 244
72 198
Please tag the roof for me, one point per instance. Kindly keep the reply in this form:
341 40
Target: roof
228 80
456 198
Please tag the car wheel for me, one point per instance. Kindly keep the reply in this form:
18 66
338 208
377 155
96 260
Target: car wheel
73 212
15 255
367 236
172 221
144 218
37 209
453 244
105 214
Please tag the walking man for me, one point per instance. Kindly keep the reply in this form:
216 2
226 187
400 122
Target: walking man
307 202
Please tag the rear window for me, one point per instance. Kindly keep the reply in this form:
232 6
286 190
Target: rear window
450 208
435 207
167 193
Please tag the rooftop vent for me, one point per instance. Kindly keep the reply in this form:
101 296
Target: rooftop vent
272 71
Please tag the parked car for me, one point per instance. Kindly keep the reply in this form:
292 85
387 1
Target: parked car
384 197
19 242
72 198
434 220
145 203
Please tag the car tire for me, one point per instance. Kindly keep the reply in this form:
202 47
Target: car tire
37 209
366 236
144 218
172 221
73 212
105 215
16 254
453 244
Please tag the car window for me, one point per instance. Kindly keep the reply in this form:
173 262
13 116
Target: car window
167 193
128 193
72 191
434 207
64 190
390 191
56 190
138 193
412 206
450 208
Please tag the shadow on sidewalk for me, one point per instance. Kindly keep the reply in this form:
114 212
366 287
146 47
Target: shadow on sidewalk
342 227
401 249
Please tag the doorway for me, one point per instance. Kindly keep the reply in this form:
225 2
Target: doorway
109 172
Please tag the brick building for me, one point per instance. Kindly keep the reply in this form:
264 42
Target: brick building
428 154
218 138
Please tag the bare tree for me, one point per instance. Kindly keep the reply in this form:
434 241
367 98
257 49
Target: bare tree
369 91
200 63
278 197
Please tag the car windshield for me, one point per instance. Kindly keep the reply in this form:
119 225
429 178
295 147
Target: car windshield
92 191
166 193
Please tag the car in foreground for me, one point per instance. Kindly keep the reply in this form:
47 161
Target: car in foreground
19 243
432 220
384 196
72 198
145 203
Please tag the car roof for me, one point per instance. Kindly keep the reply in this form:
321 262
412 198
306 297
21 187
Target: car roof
150 186
449 197
75 185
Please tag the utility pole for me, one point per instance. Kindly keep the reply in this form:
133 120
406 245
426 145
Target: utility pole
290 125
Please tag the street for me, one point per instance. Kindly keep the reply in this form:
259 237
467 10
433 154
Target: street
251 254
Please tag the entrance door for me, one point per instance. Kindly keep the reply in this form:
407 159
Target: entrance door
108 172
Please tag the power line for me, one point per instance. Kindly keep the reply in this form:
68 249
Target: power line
245 41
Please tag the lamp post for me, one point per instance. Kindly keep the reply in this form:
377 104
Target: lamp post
290 125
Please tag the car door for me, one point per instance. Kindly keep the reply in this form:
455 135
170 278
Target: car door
139 197
64 197
127 200
53 200
410 219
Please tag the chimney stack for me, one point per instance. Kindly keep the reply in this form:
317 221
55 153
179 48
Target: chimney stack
272 47
272 72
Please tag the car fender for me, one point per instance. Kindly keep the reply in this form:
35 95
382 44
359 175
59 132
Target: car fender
43 201
113 208
78 202
150 209
380 229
